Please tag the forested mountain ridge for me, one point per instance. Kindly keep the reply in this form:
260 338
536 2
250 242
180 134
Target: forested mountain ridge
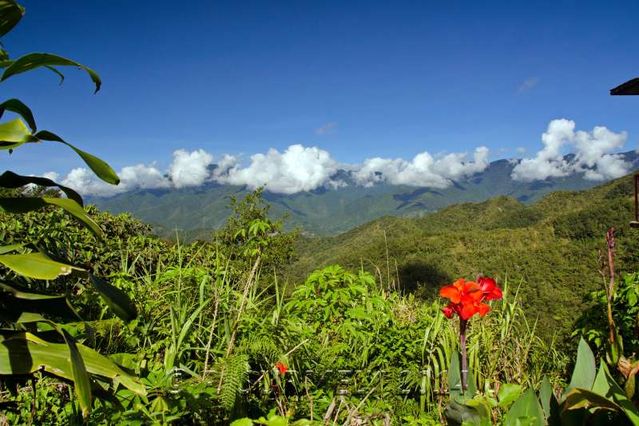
328 211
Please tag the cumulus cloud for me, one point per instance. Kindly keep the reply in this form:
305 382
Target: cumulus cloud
139 176
593 154
297 169
186 169
84 181
549 161
190 168
300 168
422 170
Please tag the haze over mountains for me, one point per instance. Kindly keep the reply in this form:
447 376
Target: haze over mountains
331 208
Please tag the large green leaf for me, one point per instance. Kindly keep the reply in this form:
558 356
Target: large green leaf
508 393
13 134
32 61
24 353
80 377
525 411
36 265
99 167
10 14
14 302
582 398
12 180
549 402
607 387
16 105
27 204
454 377
457 414
583 375
82 387
117 300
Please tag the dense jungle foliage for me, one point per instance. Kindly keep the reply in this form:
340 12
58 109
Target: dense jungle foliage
224 334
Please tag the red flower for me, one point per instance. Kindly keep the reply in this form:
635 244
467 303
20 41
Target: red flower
467 297
281 367
489 287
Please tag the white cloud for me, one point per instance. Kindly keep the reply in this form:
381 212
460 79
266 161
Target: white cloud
594 154
84 181
141 176
131 177
423 170
224 164
51 175
300 168
297 169
549 161
190 168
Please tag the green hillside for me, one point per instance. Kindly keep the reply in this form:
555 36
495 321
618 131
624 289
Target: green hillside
550 248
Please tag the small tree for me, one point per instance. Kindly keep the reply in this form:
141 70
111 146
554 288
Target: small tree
250 232
28 317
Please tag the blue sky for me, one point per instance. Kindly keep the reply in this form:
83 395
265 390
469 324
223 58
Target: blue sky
387 79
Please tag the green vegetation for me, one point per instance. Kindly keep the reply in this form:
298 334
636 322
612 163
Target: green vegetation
104 323
550 249
215 319
222 334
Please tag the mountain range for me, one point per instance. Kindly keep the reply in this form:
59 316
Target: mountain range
328 211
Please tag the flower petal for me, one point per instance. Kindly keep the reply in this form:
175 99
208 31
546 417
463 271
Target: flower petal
467 311
490 289
483 309
486 284
470 286
450 292
496 294
448 311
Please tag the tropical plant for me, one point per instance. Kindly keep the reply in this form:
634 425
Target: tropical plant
29 318
467 299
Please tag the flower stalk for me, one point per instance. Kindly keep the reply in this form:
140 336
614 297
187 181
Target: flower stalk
464 357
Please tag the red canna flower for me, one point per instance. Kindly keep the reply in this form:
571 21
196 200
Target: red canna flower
467 297
281 367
